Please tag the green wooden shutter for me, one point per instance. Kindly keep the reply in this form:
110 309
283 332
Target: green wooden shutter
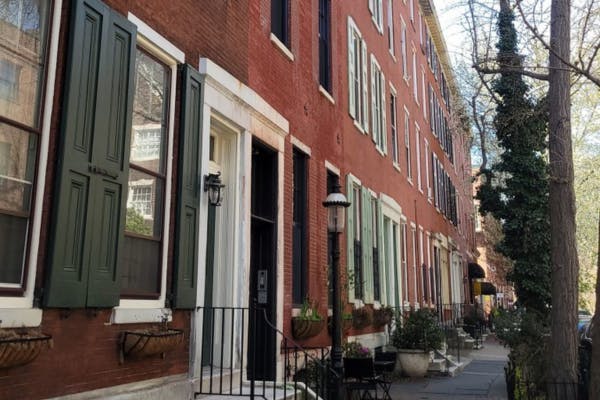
383 277
367 246
188 190
365 85
92 175
350 235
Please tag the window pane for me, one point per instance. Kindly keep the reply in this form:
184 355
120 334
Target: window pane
150 115
144 204
13 234
23 31
17 168
141 266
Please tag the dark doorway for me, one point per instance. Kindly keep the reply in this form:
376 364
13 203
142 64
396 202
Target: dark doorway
208 317
263 254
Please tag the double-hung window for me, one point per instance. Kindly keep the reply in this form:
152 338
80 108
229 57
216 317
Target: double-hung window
280 20
407 144
413 240
404 262
394 124
414 74
325 44
141 256
378 106
357 77
403 50
418 156
24 32
424 95
376 9
390 27
427 177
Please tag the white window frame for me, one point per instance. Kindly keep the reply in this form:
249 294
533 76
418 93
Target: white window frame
413 235
357 77
404 261
394 126
424 92
135 310
415 77
376 9
418 155
427 177
390 28
378 107
411 8
421 263
407 145
17 312
403 50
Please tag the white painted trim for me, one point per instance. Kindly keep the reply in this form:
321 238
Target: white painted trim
227 83
20 317
155 41
26 301
370 340
332 168
281 46
354 179
301 146
149 310
391 206
122 315
326 94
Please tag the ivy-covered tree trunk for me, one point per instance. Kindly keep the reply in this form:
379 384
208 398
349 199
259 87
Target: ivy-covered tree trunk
515 189
565 267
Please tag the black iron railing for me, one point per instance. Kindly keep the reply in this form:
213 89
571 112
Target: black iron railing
239 358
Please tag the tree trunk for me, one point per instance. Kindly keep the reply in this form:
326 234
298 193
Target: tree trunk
595 367
563 253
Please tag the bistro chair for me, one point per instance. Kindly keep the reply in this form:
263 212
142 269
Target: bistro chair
360 379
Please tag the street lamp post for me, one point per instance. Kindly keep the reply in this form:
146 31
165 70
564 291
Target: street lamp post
336 204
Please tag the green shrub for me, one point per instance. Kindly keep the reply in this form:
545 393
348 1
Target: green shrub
419 331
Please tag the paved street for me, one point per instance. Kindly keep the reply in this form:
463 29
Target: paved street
482 379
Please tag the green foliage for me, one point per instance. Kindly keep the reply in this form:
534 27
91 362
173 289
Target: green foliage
134 222
515 189
308 311
356 350
419 331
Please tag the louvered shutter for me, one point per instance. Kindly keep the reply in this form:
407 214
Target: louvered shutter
365 84
188 190
384 131
383 271
351 72
350 235
367 246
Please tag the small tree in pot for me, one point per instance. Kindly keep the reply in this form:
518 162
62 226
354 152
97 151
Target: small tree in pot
415 338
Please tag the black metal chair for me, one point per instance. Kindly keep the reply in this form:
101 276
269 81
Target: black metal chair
385 364
360 378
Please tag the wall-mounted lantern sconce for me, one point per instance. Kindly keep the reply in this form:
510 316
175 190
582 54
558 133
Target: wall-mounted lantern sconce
214 187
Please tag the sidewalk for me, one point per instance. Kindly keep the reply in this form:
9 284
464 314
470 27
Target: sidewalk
482 379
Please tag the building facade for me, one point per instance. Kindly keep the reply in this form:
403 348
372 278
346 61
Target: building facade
115 118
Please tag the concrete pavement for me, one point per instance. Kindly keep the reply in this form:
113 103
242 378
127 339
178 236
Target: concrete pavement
482 379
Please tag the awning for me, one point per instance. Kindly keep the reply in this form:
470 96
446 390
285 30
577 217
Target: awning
488 289
476 271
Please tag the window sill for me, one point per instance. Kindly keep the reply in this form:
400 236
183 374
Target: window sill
140 315
359 127
326 94
380 151
410 181
397 167
281 46
20 317
393 56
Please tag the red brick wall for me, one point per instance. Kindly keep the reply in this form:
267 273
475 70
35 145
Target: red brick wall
292 88
85 353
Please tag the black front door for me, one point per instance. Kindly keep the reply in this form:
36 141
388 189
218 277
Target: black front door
263 253
209 314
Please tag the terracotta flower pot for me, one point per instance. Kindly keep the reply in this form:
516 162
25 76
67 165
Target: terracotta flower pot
146 342
18 349
303 328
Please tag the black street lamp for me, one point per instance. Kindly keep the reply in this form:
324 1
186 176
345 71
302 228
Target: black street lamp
336 204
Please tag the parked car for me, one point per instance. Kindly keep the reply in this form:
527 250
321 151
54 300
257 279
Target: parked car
585 356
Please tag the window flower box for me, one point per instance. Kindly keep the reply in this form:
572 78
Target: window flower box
19 348
149 342
382 316
303 328
361 318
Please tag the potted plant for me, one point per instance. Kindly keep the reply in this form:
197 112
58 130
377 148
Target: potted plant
361 318
148 342
21 346
414 339
308 323
382 316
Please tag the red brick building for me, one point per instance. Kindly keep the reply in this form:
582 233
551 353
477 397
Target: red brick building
117 116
